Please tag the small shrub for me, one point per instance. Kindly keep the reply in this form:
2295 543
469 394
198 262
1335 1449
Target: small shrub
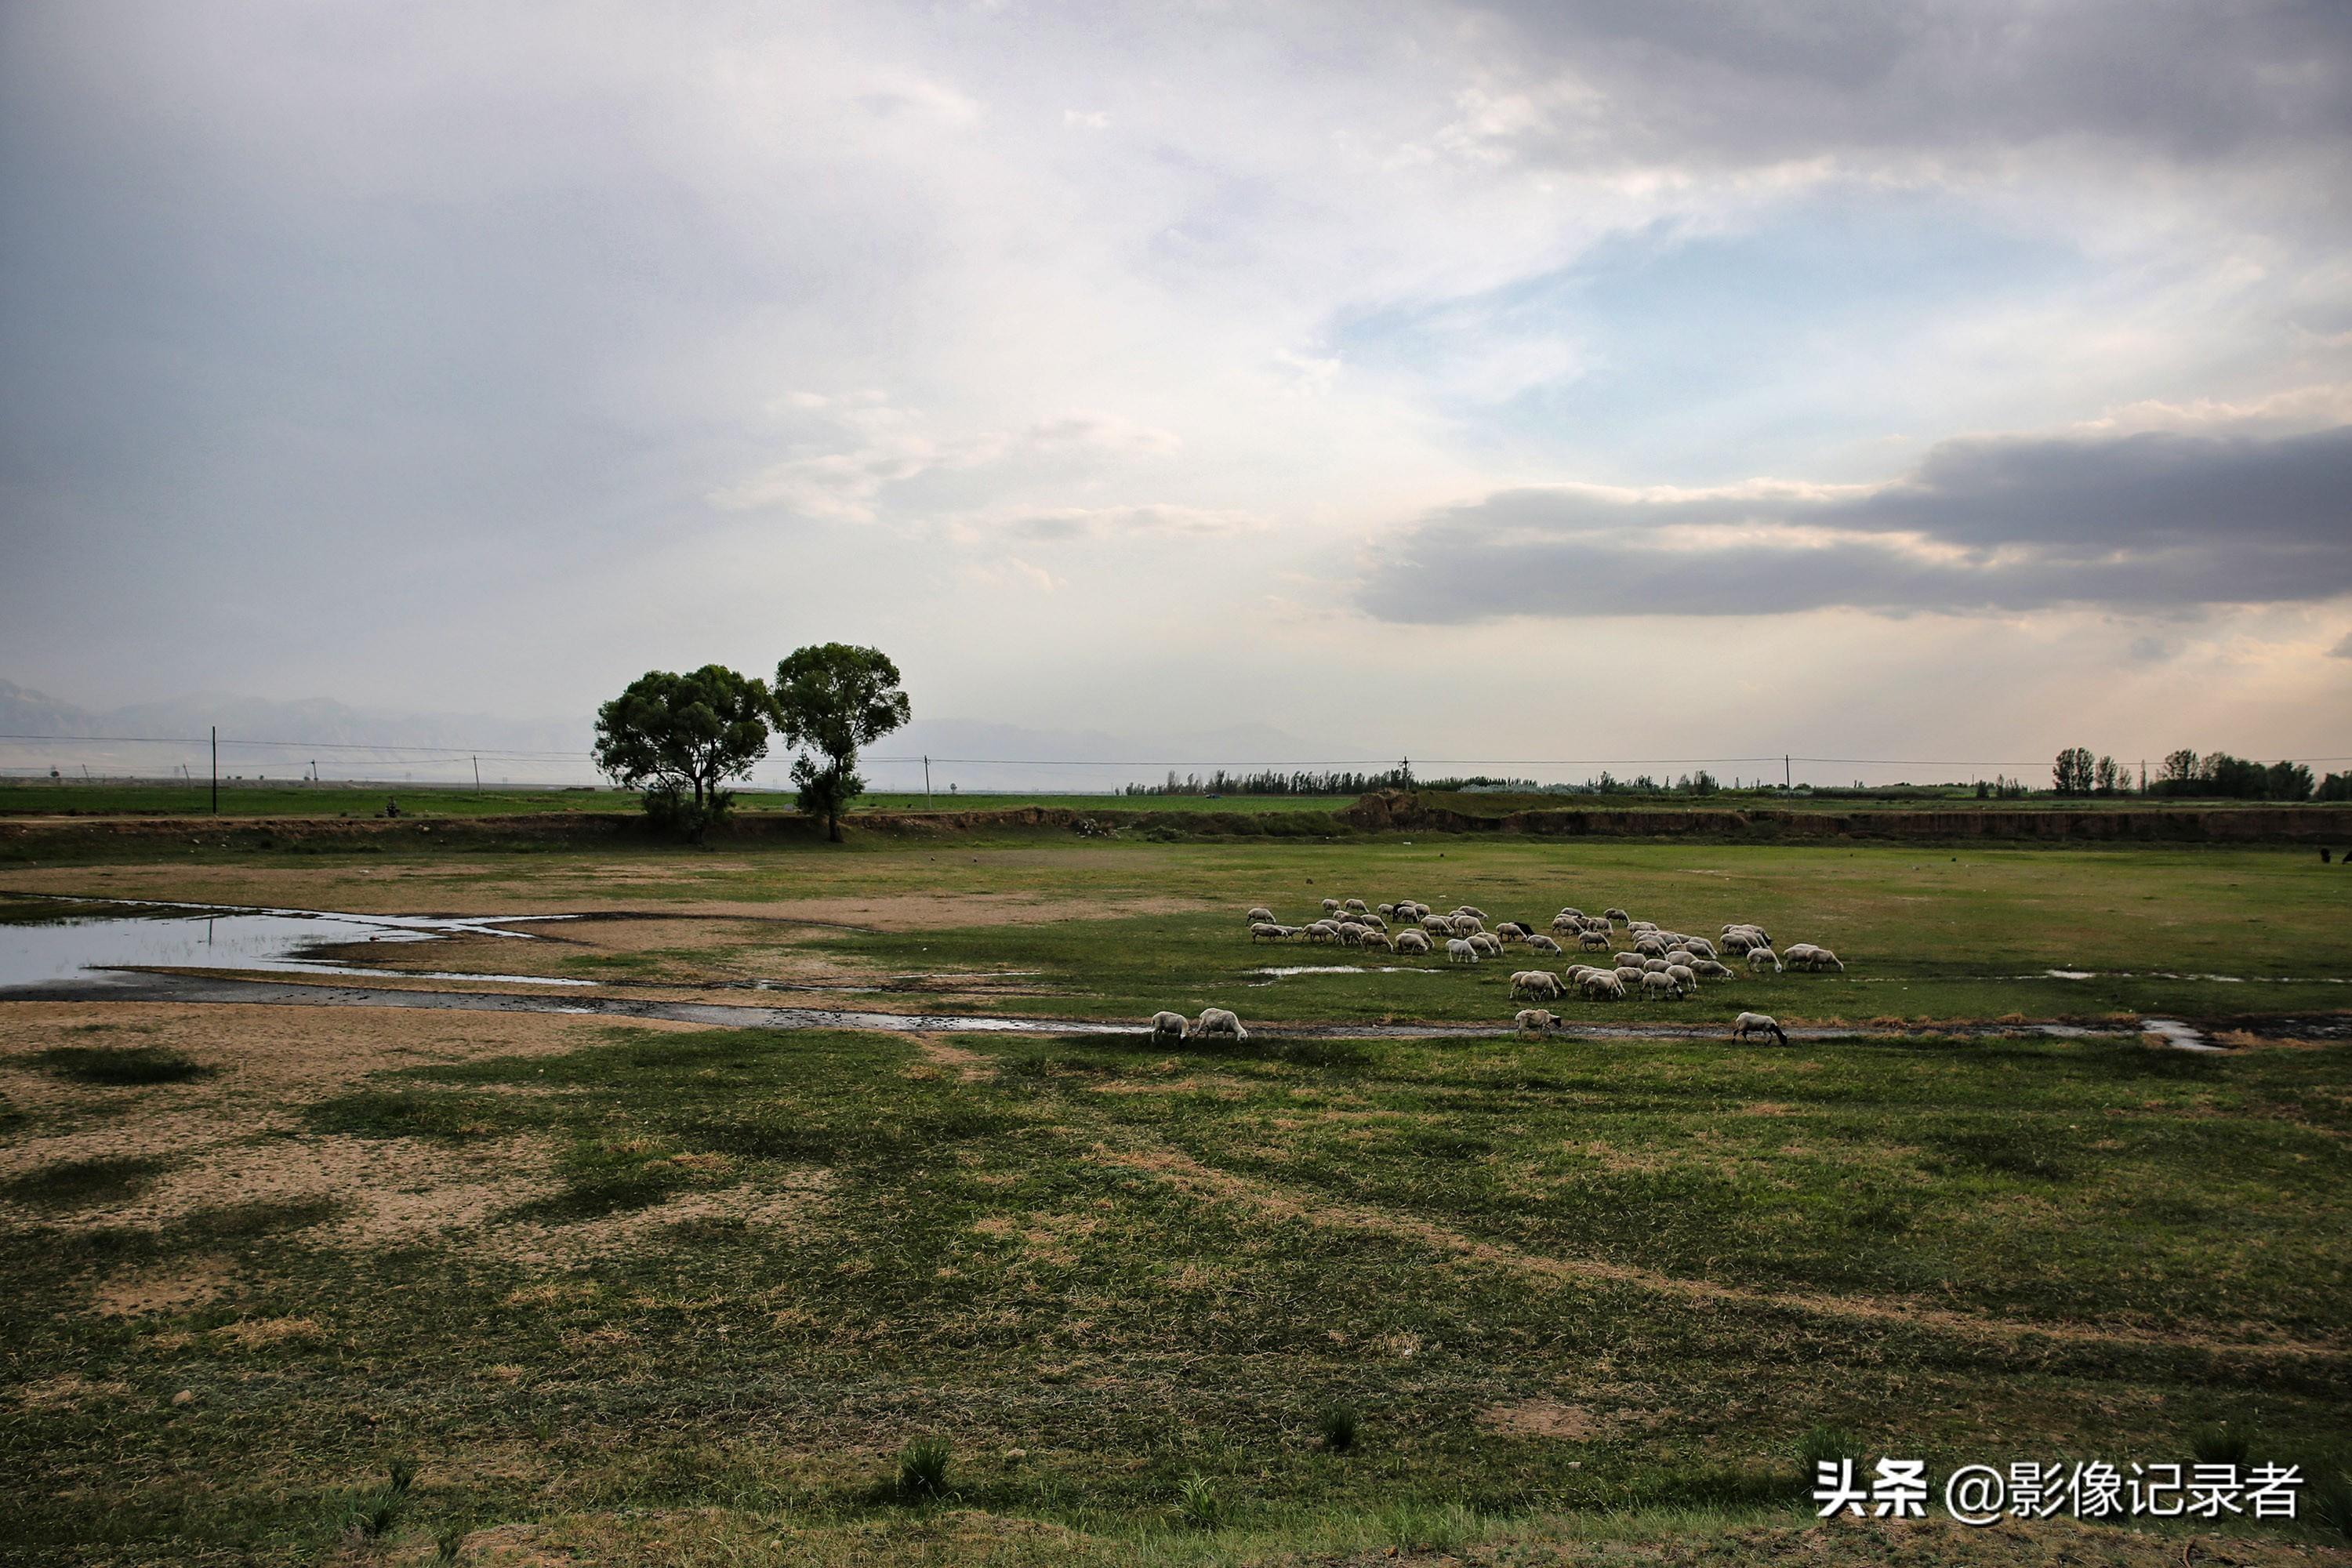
116 1067
923 1469
1337 1426
1197 1501
2218 1443
449 1546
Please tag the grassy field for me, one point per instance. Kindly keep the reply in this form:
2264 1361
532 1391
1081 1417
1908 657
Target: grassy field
289 1284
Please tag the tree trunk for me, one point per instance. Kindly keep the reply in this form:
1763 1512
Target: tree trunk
833 823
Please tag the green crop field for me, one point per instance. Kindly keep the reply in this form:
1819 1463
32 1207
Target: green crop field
297 1284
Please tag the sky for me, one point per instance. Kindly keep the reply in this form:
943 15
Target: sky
1620 380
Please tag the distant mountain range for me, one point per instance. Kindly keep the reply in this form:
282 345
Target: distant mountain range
283 739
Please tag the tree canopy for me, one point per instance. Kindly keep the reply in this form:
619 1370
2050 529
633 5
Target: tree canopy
681 737
829 700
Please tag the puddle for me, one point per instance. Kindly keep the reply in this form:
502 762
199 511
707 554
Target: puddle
2179 1035
1285 971
117 935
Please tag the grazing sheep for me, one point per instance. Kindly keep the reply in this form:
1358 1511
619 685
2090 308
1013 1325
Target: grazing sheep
1352 935
1437 925
1458 951
1661 986
1653 966
1798 954
1592 940
1699 945
1355 907
1604 985
1679 955
1166 1026
1650 947
1623 959
1486 945
1378 939
1538 942
1388 911
1820 958
1566 921
1571 909
1512 931
1266 930
1331 906
1737 942
1218 1021
1373 922
1536 1021
1257 914
1619 916
1322 931
1471 910
1711 969
1680 974
1468 925
1413 941
1748 1024
1634 926
1537 984
1758 957
1595 923
1629 974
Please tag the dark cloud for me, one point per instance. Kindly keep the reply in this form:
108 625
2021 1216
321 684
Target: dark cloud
1729 77
2144 522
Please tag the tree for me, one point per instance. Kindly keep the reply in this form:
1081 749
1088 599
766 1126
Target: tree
2072 773
2108 777
681 737
829 700
2287 781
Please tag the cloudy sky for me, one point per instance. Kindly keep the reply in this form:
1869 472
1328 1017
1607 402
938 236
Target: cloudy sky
1637 378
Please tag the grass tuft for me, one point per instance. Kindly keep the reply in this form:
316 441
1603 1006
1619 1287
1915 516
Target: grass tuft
2328 1499
2218 1444
1826 1445
1198 1503
1338 1427
81 1184
923 1469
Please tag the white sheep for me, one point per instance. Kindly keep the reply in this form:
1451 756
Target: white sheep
1437 925
1389 909
1571 911
1820 958
1414 942
1592 940
1653 966
1619 916
1537 984
1748 1024
1486 945
1217 1021
1538 942
1738 942
1511 931
1536 1021
1623 959
1354 906
1468 925
1680 974
1564 921
1266 930
1798 954
1257 914
1471 910
1650 947
1629 974
1378 939
1459 951
1758 957
1595 923
1661 985
1711 969
1601 984
1699 945
1331 906
1167 1026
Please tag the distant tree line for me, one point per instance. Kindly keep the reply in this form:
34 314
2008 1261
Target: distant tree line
2184 774
1269 781
680 738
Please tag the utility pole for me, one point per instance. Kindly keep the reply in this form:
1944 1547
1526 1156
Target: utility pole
216 770
1788 775
477 775
927 782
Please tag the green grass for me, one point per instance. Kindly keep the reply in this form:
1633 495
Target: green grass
1128 1287
81 1184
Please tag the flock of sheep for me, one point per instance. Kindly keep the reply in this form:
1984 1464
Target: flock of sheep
1661 964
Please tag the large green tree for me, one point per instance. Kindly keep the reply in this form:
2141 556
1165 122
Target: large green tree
2073 771
681 737
829 700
